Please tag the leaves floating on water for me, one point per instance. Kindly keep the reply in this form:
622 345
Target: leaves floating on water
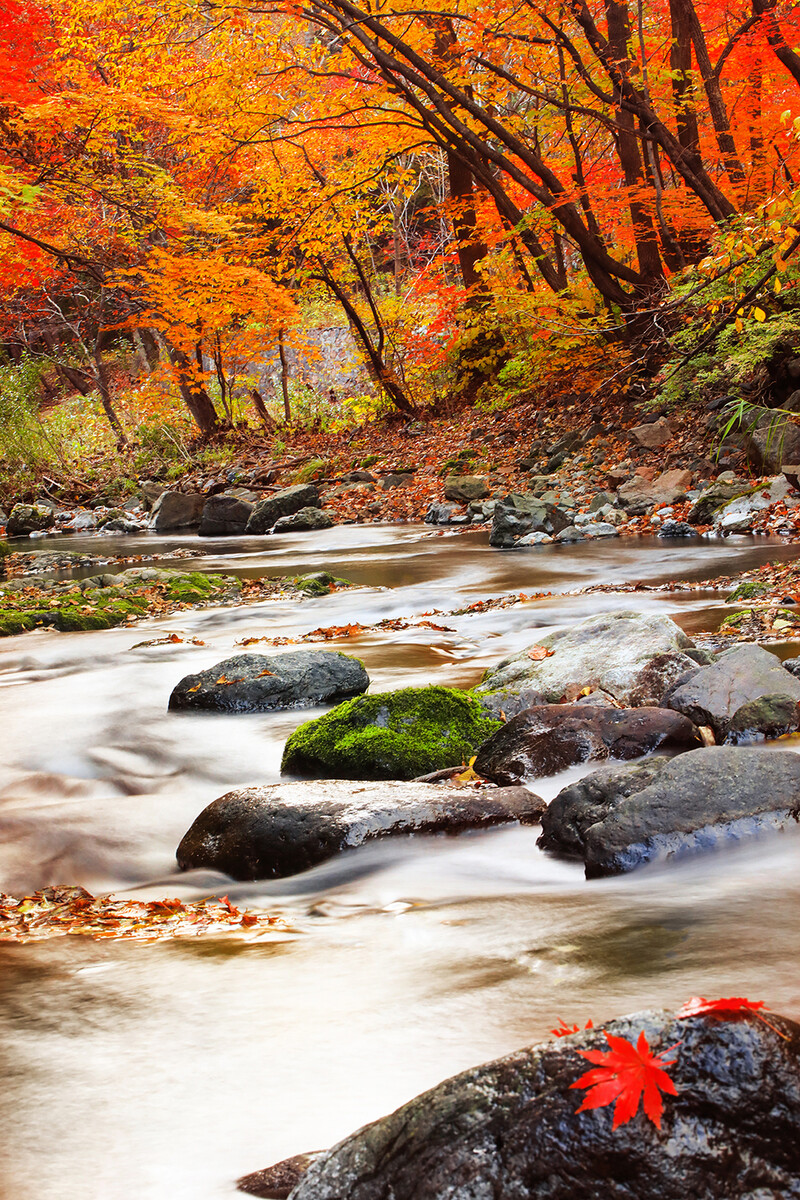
171 639
58 911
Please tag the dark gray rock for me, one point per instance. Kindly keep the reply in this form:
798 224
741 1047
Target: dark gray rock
509 1130
260 682
771 440
176 510
282 504
463 488
441 514
697 802
550 738
580 805
521 513
792 665
570 534
306 518
676 529
714 693
151 489
612 652
601 500
663 673
283 828
29 518
396 479
507 703
224 515
766 717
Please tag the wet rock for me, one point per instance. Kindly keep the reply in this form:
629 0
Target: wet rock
176 510
394 735
570 534
653 435
509 1130
224 515
260 682
283 828
792 665
441 514
82 522
520 513
124 525
507 703
714 693
276 1182
547 739
611 651
697 802
599 529
463 488
766 717
640 494
267 511
737 515
536 539
664 672
305 519
29 518
676 529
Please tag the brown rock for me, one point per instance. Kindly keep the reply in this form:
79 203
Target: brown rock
654 435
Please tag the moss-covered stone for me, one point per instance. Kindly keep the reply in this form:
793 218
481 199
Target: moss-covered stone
749 590
736 618
321 583
5 549
194 587
396 735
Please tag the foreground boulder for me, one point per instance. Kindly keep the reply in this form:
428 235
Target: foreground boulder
283 828
282 504
619 818
260 682
509 1130
713 694
396 735
613 652
551 737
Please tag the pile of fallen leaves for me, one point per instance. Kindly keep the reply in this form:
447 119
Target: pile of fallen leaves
58 911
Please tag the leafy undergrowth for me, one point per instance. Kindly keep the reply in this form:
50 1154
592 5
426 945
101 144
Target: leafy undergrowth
58 911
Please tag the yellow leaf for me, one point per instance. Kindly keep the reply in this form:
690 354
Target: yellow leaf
468 776
759 314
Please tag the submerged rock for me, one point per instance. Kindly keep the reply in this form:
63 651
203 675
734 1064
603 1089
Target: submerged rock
619 818
714 693
283 828
260 682
550 738
613 652
509 1130
395 735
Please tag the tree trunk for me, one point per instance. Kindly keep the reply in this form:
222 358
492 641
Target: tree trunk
775 37
287 407
195 396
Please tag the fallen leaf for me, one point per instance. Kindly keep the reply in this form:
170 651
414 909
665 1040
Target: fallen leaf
626 1074
196 688
468 775
538 653
563 1029
698 1006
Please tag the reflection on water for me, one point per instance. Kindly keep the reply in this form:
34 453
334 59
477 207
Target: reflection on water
162 1072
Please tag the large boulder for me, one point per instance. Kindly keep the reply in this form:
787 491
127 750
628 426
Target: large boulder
176 510
639 494
520 513
713 694
224 515
395 735
772 439
552 737
509 1130
737 515
463 488
29 518
260 682
282 504
613 652
304 519
714 498
620 818
283 828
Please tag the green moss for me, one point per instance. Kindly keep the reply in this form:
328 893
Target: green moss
736 618
396 735
194 587
321 583
369 461
4 549
749 591
311 470
14 622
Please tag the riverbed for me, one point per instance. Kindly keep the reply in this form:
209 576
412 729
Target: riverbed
162 1072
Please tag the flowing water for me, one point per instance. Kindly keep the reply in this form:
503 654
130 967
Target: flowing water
162 1072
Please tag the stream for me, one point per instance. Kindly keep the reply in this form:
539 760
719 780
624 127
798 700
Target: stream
163 1072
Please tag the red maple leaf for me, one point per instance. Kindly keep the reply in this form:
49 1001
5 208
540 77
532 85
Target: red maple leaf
626 1074
698 1006
564 1029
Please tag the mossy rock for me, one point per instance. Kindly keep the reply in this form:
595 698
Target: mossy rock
5 549
749 590
194 587
320 583
369 461
396 735
736 618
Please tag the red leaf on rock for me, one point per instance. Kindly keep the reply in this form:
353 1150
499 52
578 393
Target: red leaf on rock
539 653
698 1006
626 1073
563 1029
